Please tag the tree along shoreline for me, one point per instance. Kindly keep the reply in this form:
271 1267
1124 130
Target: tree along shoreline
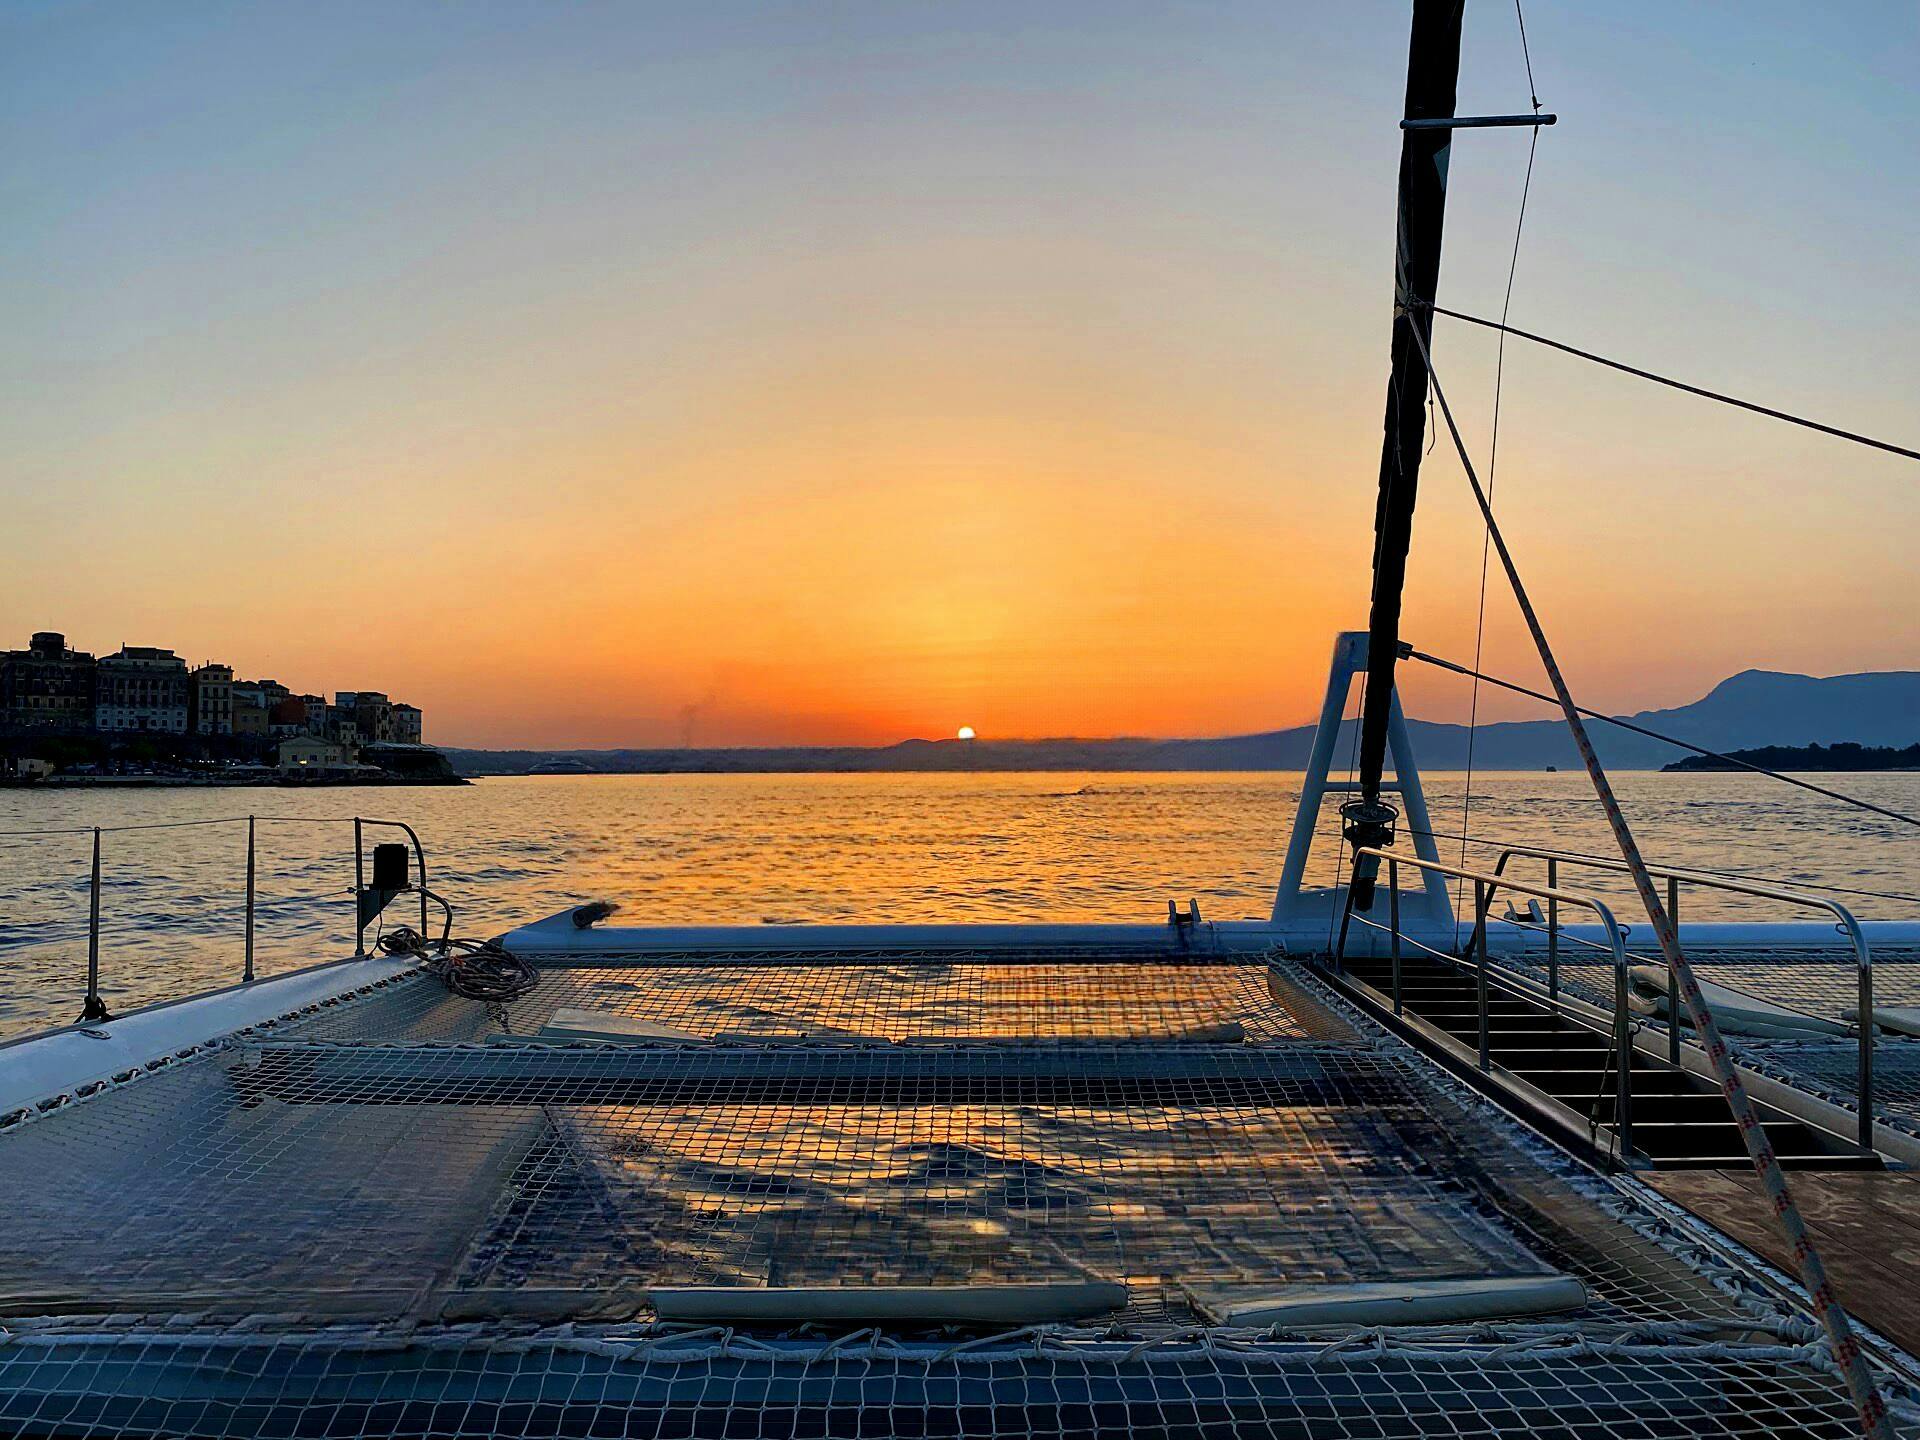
1844 756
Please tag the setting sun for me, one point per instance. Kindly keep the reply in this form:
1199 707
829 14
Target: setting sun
966 732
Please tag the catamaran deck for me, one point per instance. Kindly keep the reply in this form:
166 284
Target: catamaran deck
402 1212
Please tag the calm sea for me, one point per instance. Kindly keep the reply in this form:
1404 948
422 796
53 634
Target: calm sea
768 848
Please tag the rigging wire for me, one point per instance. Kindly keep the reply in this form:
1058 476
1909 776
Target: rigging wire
1669 381
1869 1405
1409 653
1493 460
1527 56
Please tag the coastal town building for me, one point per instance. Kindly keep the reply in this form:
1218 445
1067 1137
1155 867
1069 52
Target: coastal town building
264 693
339 725
287 717
249 715
210 701
309 752
51 689
372 715
141 688
46 686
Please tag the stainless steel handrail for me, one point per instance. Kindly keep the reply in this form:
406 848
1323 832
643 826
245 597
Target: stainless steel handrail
1484 885
1675 877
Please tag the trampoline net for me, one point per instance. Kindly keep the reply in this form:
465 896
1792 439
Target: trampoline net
888 995
405 1215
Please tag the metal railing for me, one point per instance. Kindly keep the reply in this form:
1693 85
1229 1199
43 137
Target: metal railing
93 1005
1484 886
1675 877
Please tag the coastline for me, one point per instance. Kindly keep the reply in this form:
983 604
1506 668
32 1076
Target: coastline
188 782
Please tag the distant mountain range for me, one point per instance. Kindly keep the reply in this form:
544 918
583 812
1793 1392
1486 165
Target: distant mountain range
1754 708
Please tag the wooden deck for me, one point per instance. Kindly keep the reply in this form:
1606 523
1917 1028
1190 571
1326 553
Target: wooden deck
1865 1223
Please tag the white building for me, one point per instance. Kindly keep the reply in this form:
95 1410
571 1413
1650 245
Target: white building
142 688
310 752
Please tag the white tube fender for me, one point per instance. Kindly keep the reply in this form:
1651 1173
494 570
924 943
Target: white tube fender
1900 1019
1734 1011
1398 1302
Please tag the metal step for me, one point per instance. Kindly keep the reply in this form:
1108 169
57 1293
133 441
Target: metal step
1680 1119
1576 1080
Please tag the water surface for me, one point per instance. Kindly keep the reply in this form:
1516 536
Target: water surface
771 848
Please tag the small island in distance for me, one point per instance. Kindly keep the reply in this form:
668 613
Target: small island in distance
1843 756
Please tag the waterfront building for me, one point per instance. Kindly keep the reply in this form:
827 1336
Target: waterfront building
373 716
287 717
339 726
141 688
144 689
264 693
309 752
249 715
210 701
46 686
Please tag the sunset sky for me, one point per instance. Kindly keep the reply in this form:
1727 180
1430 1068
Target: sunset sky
634 374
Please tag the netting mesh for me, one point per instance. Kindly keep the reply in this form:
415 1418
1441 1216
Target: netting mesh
1556 1387
459 1181
1819 982
880 996
405 1215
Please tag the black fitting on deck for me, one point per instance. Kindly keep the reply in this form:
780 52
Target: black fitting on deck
1367 824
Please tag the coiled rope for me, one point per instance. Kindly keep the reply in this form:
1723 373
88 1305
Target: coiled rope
482 970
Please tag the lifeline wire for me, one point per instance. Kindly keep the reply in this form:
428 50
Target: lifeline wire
1869 1405
1671 383
1699 870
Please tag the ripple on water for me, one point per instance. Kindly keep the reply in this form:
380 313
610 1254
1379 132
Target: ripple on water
776 849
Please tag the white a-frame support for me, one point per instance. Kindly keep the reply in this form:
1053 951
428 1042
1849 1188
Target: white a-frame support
1291 906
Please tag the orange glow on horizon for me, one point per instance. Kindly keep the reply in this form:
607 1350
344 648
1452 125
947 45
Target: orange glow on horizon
826 379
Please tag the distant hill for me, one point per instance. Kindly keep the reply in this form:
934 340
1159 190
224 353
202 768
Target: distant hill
1754 708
